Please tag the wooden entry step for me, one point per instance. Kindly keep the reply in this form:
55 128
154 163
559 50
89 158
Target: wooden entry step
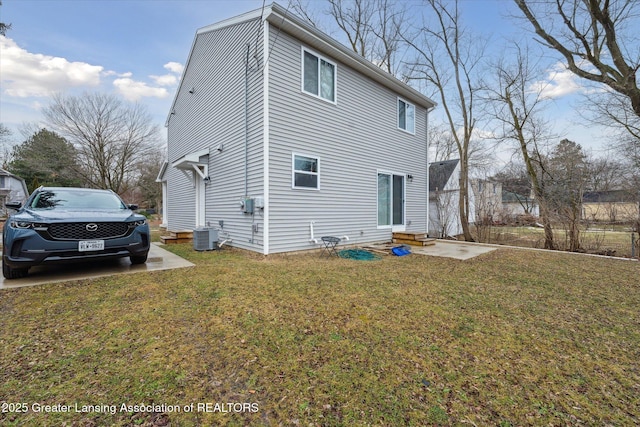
178 236
415 239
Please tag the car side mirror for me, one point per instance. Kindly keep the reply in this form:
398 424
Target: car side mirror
13 205
132 207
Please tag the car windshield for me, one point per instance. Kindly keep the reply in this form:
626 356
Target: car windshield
91 200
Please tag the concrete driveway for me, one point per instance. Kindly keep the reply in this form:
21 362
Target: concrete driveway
159 259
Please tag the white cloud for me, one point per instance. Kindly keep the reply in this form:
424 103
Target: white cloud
560 82
171 79
174 67
166 80
25 74
133 90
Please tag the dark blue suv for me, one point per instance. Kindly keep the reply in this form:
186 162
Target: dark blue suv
59 224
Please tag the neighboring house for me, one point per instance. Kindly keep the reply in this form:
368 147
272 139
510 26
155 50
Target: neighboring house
515 205
495 204
444 196
488 197
610 206
279 135
12 189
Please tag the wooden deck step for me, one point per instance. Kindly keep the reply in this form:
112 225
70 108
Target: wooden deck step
181 234
413 242
409 236
415 239
177 236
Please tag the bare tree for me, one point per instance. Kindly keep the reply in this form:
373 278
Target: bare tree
448 59
444 202
5 136
597 38
355 19
111 137
441 143
611 109
517 109
303 9
150 190
391 25
373 28
605 173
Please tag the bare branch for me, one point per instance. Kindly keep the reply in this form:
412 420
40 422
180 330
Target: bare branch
111 137
590 39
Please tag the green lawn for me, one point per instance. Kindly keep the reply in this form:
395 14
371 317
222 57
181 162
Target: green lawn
508 338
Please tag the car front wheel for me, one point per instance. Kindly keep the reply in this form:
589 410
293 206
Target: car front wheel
138 259
13 273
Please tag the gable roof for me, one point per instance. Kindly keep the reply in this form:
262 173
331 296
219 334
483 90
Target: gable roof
4 172
20 180
440 173
285 20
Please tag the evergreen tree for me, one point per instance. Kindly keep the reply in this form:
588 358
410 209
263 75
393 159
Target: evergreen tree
45 159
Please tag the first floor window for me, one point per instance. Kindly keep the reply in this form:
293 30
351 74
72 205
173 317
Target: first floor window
319 76
390 200
406 116
306 172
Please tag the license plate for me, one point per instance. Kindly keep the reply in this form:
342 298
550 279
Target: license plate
90 245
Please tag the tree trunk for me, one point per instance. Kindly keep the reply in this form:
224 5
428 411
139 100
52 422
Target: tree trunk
538 191
464 204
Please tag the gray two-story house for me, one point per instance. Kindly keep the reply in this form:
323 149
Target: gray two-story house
280 135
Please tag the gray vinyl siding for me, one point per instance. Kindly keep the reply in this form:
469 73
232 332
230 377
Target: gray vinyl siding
354 139
212 116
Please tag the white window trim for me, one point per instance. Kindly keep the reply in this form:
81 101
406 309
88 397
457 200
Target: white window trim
335 75
398 115
293 171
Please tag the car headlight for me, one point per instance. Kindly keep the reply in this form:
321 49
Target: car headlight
137 223
28 225
22 224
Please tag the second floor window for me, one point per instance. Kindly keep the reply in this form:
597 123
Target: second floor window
319 76
406 116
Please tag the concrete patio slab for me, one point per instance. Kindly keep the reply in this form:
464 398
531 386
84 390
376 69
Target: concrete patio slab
442 248
453 249
159 259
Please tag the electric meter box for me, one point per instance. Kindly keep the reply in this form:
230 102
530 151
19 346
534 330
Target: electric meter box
248 206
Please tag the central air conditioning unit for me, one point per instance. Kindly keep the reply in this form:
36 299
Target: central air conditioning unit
205 239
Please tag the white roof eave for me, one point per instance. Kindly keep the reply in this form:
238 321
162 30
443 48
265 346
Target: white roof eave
290 23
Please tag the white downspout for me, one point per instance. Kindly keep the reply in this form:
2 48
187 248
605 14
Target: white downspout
312 239
429 110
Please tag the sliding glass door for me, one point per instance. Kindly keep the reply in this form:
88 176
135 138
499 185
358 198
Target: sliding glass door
391 189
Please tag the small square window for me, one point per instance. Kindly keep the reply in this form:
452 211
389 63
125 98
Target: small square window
306 172
406 116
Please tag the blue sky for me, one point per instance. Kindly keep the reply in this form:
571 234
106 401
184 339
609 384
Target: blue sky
137 48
